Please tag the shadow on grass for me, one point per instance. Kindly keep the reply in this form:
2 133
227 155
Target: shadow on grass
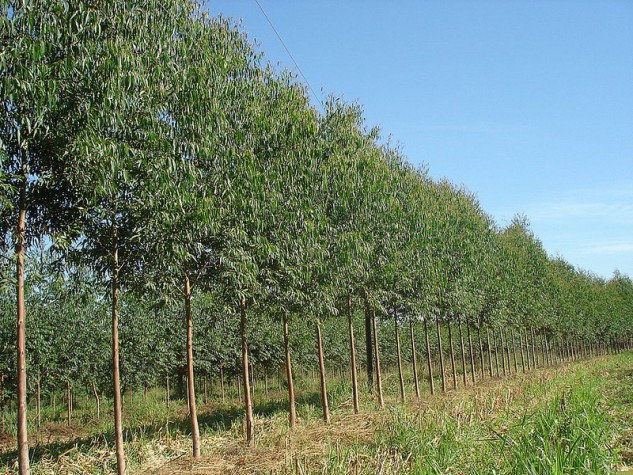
211 419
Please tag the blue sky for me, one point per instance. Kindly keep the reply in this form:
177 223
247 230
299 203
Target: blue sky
529 104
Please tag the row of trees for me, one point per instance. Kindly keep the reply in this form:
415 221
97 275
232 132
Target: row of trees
147 147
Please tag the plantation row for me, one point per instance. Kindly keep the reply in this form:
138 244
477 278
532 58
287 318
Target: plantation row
172 207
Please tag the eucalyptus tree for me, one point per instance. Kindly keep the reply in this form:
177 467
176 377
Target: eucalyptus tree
124 145
527 284
46 47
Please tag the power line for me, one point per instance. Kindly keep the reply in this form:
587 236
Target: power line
290 54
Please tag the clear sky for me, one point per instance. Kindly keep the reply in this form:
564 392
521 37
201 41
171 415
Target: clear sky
528 104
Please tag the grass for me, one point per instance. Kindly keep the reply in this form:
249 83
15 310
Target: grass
570 419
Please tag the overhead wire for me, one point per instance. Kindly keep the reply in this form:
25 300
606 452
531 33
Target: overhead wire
290 54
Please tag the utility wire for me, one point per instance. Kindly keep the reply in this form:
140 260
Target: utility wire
290 54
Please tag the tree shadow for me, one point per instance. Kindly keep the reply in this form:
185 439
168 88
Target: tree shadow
219 418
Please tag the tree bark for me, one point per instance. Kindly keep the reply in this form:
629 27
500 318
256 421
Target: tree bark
381 401
496 350
489 351
118 423
503 351
514 352
463 352
439 346
195 431
416 382
97 399
38 399
352 349
450 340
472 355
69 403
324 401
399 354
23 443
428 357
292 412
248 403
222 383
522 351
481 352
369 347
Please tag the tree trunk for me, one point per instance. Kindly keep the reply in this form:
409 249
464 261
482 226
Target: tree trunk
522 352
248 403
195 431
472 355
399 354
222 382
23 442
463 351
69 403
352 349
38 399
489 351
514 352
416 382
428 357
481 352
369 347
503 351
534 360
97 399
167 390
496 348
324 401
118 423
381 400
450 340
292 413
439 346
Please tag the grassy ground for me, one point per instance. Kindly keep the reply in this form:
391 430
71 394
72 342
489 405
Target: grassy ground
576 418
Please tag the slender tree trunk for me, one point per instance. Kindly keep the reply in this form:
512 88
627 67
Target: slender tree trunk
97 399
528 357
352 349
118 423
23 443
496 348
38 399
428 357
472 355
2 405
463 351
69 404
292 413
369 347
522 351
534 360
324 401
481 353
441 352
381 401
248 403
416 382
195 431
489 351
399 354
503 352
450 340
222 383
167 391
543 351
514 352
